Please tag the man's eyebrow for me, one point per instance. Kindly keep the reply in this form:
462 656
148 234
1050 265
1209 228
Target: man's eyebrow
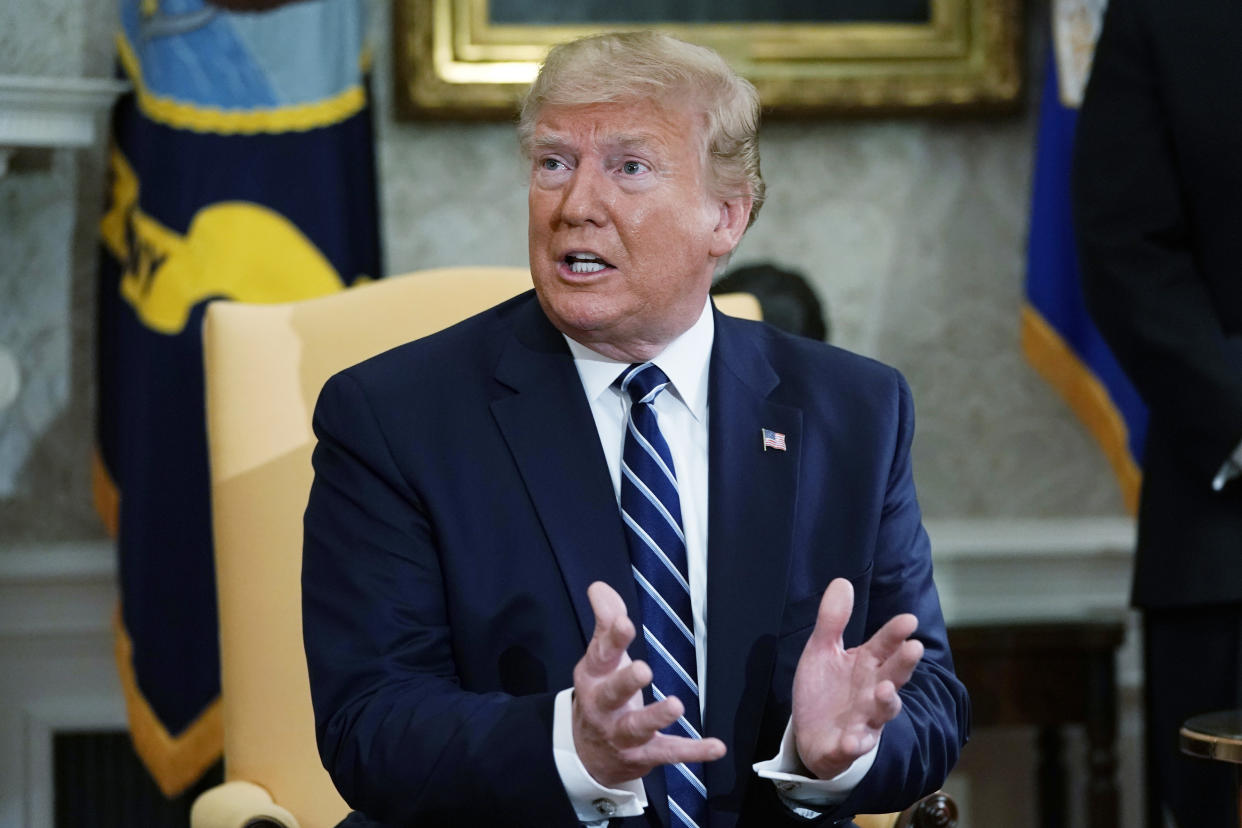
549 141
640 139
637 140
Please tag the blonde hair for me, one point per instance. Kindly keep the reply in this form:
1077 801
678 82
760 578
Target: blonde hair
650 65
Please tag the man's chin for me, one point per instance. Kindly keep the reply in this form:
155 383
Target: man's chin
577 312
586 330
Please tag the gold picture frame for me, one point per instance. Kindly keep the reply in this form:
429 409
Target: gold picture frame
453 61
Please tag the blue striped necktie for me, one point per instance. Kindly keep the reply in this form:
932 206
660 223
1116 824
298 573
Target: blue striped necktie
651 511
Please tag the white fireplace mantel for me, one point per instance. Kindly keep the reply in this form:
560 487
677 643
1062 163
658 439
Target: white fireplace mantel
51 112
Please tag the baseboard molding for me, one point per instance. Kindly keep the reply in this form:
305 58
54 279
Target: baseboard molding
57 589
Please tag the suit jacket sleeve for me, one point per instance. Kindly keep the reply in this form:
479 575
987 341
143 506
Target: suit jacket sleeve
921 745
402 741
1136 236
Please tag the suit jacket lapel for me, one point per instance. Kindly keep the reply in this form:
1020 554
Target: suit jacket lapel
750 528
548 427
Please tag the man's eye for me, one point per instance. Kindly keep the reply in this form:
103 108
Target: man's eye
633 167
551 164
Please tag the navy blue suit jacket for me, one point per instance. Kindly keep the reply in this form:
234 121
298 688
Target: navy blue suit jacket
462 505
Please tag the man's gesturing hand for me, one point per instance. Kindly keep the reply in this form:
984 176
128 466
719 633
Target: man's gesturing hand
617 738
843 698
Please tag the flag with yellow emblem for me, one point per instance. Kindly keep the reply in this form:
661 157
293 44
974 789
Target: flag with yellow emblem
241 167
1058 336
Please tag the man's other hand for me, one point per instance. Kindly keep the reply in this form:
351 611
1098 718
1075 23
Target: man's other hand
616 737
843 698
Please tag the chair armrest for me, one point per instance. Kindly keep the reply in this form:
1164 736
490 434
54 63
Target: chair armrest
239 805
936 810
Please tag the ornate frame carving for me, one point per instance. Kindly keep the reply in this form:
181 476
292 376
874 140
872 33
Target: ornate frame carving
453 62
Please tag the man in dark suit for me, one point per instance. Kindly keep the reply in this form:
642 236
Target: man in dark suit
469 580
1158 203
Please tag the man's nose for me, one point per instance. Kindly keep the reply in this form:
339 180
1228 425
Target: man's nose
584 199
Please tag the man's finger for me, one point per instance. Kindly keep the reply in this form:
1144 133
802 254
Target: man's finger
834 613
890 638
640 726
606 650
887 705
618 688
613 629
900 666
669 750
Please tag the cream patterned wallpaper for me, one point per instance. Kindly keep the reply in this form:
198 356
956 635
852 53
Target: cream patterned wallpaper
49 206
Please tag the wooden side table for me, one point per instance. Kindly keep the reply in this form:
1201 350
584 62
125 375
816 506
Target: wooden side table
1050 674
1216 736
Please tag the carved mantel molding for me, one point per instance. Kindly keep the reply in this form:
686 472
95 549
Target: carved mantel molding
51 112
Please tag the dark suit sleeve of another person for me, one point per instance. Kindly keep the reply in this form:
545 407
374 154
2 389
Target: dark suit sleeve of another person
400 737
1157 179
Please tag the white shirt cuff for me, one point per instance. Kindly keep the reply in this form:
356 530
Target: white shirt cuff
593 803
1231 468
803 793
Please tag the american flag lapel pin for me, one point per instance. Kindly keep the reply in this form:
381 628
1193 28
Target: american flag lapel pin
773 440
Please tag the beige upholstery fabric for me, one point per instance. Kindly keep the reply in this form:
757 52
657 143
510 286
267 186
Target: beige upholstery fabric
265 366
237 805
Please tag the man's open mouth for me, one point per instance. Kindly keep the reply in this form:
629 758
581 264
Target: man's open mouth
585 263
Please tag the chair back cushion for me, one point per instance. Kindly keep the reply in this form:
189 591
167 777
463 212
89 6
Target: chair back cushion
265 366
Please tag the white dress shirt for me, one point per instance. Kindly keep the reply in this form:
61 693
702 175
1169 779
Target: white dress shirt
682 413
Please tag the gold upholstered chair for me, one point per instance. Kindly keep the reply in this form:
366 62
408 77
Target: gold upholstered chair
265 365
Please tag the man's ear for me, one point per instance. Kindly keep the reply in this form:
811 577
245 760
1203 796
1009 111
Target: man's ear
734 218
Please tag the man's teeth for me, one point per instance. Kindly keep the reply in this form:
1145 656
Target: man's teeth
584 264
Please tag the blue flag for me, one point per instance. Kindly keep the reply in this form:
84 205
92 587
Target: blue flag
241 167
1058 336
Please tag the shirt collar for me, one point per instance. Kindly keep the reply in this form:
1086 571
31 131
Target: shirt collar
684 361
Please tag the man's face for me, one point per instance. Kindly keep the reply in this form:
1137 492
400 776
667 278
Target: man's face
624 236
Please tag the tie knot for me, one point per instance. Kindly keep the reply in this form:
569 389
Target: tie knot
643 381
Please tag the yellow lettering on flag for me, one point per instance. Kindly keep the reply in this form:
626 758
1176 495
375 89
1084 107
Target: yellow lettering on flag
232 249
